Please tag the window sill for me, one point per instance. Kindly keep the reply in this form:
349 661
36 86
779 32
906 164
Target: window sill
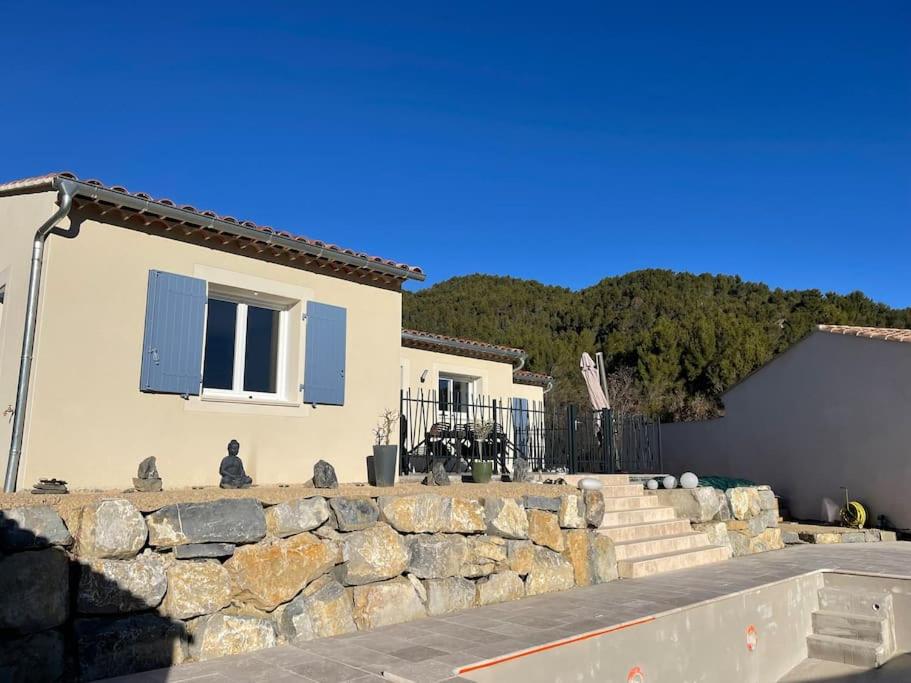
242 400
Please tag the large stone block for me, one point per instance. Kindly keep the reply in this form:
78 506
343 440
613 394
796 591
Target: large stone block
272 572
594 508
506 518
578 552
108 647
572 511
430 513
38 658
769 518
550 572
121 586
724 506
716 532
700 504
520 555
751 527
197 551
603 558
354 514
196 588
767 500
544 529
437 556
742 544
382 604
744 502
445 596
373 554
34 590
296 516
219 635
548 503
322 610
487 554
229 520
500 587
111 529
26 528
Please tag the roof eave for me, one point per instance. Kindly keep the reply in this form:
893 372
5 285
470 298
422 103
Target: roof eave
119 199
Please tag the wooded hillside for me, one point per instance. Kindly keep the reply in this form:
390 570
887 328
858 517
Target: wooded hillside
673 341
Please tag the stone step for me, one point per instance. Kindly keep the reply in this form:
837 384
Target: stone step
658 545
667 562
641 516
630 503
870 628
622 491
871 603
606 479
846 650
638 532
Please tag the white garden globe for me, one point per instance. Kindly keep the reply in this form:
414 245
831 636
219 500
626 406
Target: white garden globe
688 480
590 484
652 484
670 482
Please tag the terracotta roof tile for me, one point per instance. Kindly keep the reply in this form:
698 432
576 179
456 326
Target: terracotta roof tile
45 182
529 377
444 339
884 333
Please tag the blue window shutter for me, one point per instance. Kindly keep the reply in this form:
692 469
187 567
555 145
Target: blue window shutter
173 341
520 424
324 361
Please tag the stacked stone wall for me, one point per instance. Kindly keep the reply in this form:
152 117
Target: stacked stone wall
122 591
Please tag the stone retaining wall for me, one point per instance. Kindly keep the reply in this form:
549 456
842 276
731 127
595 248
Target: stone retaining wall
744 518
122 591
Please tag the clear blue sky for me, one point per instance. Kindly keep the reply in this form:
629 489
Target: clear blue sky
558 141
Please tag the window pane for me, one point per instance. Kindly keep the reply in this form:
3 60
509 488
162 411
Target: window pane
261 357
458 396
218 366
444 394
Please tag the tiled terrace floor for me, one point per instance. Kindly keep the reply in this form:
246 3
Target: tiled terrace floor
430 649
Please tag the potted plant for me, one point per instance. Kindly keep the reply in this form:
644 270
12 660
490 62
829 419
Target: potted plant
481 470
384 453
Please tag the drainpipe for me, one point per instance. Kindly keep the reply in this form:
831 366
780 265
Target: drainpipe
65 191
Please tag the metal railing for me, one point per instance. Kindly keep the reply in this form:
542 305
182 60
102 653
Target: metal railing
551 438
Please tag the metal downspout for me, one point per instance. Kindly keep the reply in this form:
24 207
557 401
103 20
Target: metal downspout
65 191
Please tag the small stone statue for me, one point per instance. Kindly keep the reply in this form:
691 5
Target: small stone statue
147 478
232 471
520 469
324 476
48 486
438 475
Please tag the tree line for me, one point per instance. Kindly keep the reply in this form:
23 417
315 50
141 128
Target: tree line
673 342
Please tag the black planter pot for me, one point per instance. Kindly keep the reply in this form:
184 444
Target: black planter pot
384 463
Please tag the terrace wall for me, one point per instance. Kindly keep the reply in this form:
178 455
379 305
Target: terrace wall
120 591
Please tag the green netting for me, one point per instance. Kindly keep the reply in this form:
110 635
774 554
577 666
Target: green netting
725 483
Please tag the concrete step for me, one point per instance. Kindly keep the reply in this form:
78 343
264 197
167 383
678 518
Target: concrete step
870 628
667 562
640 516
659 544
638 532
606 479
871 603
846 650
622 491
630 503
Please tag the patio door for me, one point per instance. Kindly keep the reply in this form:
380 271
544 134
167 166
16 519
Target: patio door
455 396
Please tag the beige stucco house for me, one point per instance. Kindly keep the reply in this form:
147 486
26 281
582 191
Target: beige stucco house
165 330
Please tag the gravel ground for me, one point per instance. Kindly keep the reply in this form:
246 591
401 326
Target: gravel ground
68 504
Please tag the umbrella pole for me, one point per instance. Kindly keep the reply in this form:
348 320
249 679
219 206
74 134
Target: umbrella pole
599 359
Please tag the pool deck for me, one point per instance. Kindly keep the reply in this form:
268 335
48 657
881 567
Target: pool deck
429 650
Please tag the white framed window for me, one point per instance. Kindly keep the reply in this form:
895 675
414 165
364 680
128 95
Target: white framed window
246 348
455 394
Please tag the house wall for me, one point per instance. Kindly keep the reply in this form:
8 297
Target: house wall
88 422
492 379
832 411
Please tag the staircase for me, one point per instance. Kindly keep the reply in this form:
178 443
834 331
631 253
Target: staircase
648 538
854 627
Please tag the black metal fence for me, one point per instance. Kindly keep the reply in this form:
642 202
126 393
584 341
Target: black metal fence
552 438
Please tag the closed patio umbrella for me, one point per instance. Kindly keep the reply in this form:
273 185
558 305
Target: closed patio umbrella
590 375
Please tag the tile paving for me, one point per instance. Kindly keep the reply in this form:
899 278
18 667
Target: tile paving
429 650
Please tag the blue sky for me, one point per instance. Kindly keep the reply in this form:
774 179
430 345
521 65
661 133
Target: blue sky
558 141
